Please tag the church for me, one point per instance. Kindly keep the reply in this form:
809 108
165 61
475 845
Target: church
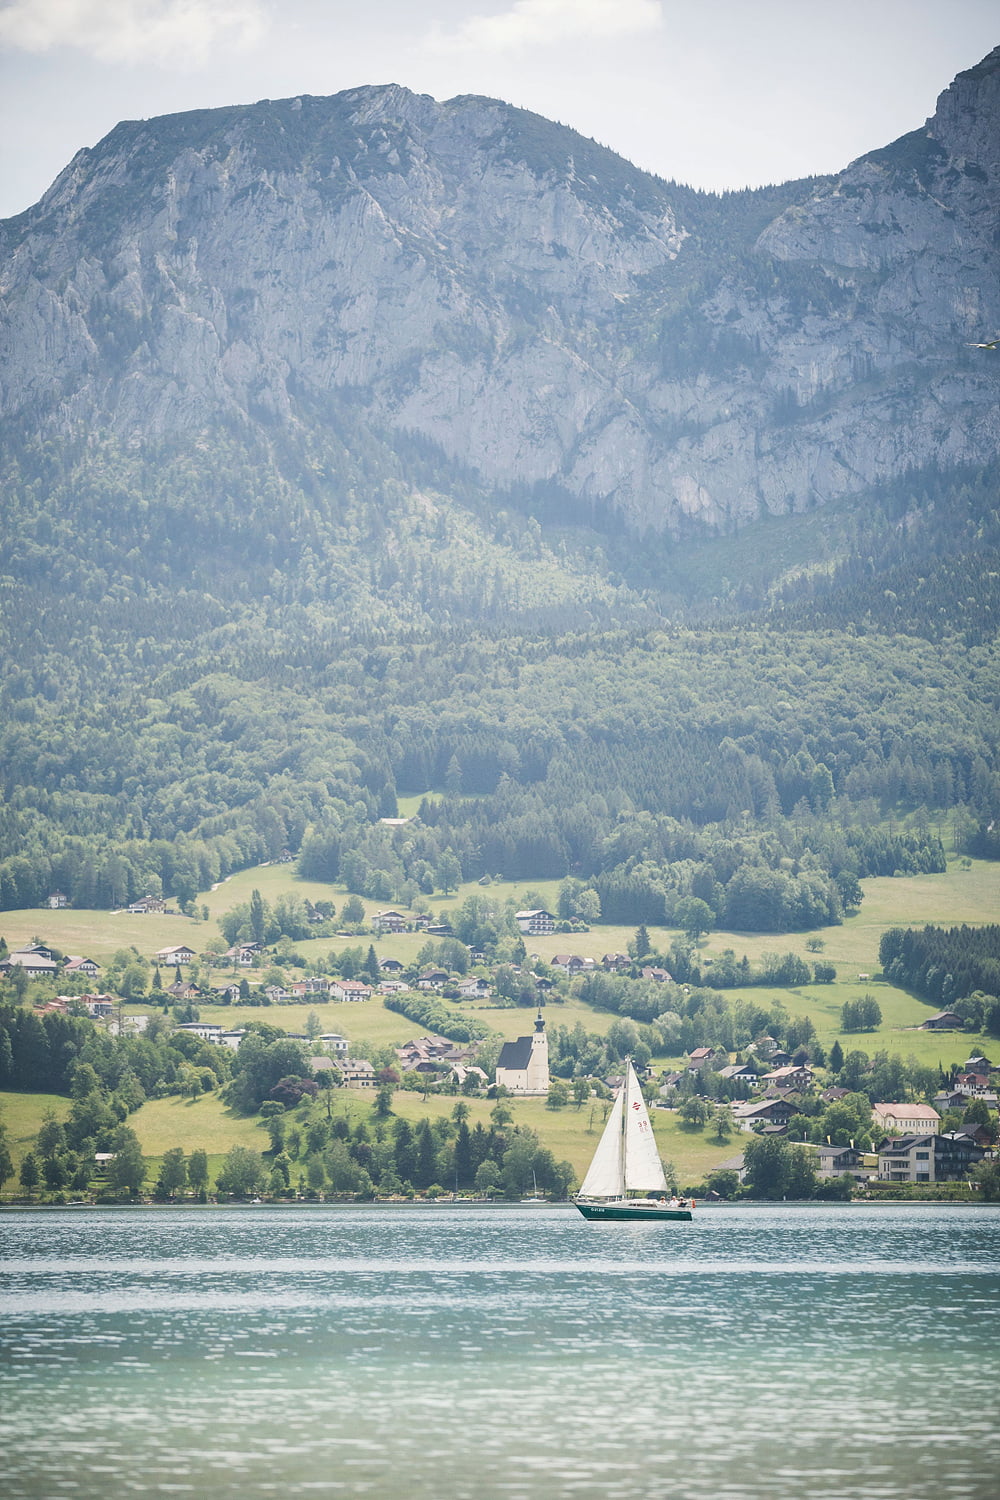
523 1066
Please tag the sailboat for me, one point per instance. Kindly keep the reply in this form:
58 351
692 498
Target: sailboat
625 1180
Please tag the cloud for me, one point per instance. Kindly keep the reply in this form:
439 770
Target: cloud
529 23
131 31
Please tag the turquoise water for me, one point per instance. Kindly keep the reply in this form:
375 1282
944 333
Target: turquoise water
835 1353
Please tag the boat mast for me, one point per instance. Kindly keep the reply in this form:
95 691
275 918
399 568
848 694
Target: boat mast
624 1150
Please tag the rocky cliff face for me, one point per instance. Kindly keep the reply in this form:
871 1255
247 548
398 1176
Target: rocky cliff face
538 308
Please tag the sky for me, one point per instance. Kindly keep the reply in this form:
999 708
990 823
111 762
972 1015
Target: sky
715 93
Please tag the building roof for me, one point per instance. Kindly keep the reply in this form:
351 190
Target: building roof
515 1055
906 1112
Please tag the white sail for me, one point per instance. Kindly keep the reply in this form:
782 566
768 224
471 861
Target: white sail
643 1168
605 1176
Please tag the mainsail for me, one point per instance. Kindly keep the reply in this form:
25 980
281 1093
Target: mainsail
626 1160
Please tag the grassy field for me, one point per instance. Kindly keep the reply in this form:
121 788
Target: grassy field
23 1115
571 1134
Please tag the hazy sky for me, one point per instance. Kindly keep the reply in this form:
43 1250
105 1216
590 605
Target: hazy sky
718 93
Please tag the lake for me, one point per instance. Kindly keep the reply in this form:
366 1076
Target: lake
831 1352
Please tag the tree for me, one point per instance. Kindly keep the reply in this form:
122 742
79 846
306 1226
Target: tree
197 1169
243 1172
776 1168
29 1173
448 872
640 944
723 1182
6 1160
694 1111
836 1057
694 917
352 915
487 1178
173 1173
383 1102
127 1168
722 1120
257 916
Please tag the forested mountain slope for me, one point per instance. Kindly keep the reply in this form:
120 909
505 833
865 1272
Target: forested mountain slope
346 455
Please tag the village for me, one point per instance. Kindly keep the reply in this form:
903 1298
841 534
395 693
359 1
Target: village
762 1090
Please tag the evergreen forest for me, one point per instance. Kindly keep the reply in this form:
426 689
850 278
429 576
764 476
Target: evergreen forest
258 645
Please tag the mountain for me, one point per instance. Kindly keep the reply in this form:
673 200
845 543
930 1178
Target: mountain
550 321
358 448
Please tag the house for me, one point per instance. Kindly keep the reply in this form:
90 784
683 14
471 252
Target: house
834 1161
332 1041
201 1029
392 986
228 993
99 1006
535 921
616 963
419 1051
833 1094
763 1112
463 1074
740 1073
75 964
389 921
276 994
705 1058
789 1077
357 1073
432 979
391 966
906 1119
973 1085
977 1064
232 1039
945 1020
927 1158
146 904
57 901
349 989
182 989
473 988
35 965
572 963
182 954
523 1066
658 976
242 955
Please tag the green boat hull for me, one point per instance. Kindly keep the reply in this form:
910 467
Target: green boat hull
631 1211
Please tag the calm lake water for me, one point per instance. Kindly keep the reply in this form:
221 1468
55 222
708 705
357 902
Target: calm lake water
835 1353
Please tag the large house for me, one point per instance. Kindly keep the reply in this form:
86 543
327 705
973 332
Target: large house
906 1119
146 904
535 921
763 1112
76 964
35 965
389 921
181 954
928 1158
349 989
523 1066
